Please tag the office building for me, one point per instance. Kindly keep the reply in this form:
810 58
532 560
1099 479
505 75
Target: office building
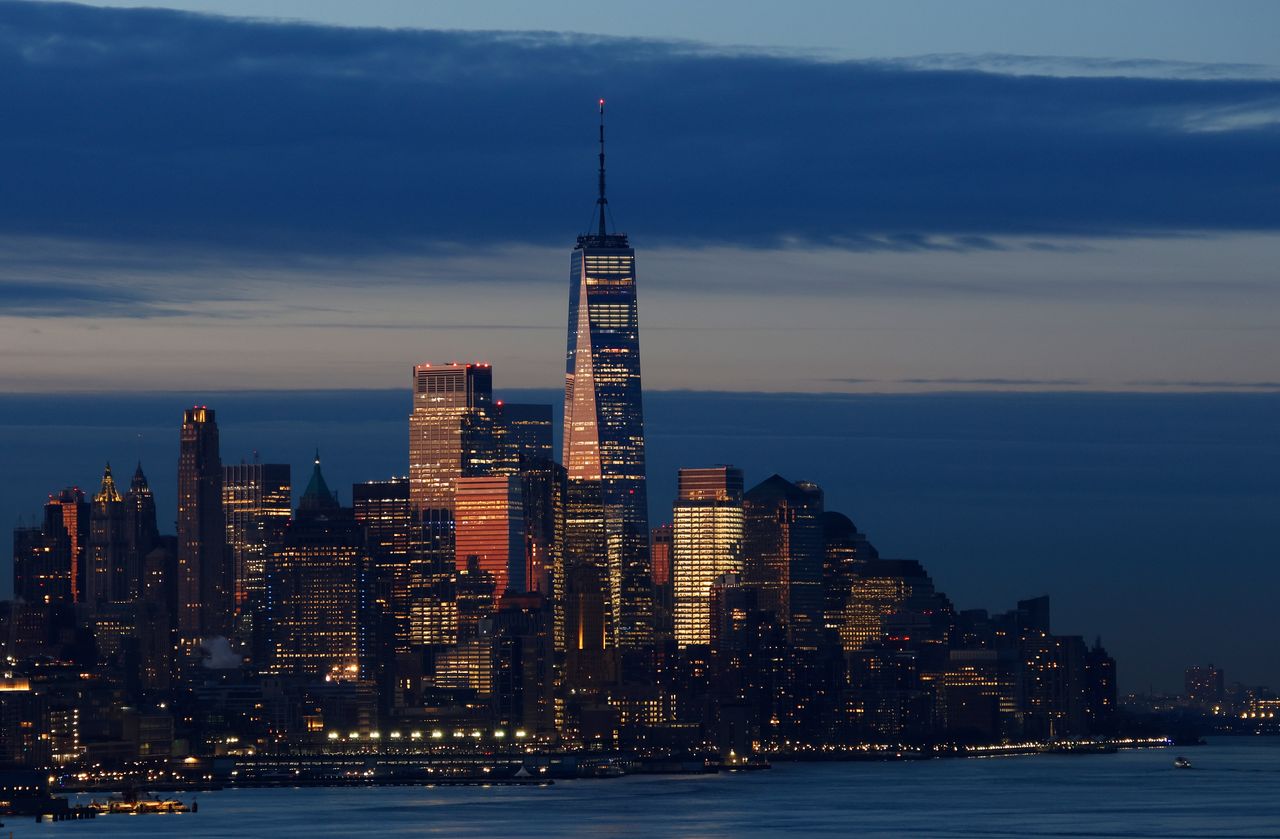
393 534
707 531
606 514
450 430
143 532
108 577
522 436
257 501
205 584
783 555
489 529
318 601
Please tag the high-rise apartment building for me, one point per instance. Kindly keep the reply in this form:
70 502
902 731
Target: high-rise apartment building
489 528
205 584
706 543
257 501
1204 685
606 513
782 555
450 430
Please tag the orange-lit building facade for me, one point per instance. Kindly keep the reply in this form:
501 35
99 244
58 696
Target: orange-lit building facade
489 527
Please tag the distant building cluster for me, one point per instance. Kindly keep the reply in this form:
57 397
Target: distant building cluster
499 593
1208 703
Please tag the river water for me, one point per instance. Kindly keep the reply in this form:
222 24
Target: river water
1232 790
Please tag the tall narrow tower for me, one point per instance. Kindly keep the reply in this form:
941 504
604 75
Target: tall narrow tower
107 577
606 521
205 580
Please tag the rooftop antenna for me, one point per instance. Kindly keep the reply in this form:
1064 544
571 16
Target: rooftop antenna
602 201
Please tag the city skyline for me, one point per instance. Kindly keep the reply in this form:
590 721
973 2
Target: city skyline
819 268
957 435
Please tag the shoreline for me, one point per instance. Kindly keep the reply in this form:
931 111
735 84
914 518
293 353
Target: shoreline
427 769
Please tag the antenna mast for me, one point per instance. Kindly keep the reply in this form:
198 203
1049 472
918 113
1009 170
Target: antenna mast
602 201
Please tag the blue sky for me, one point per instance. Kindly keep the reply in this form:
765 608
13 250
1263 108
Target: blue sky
1010 202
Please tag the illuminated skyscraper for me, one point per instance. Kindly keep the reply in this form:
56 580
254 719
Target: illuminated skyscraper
607 526
205 580
108 576
257 501
450 430
706 543
393 535
489 527
318 600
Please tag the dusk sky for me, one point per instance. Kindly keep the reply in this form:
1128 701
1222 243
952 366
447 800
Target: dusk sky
825 198
1005 198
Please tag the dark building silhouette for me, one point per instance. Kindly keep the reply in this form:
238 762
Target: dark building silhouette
522 436
1204 685
543 485
660 547
783 555
141 528
206 579
845 549
393 535
524 675
1100 690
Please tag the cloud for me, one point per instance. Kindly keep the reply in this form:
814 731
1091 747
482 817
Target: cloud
1205 384
57 299
988 381
164 128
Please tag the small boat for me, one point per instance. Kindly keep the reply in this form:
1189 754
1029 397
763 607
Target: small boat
133 804
1181 762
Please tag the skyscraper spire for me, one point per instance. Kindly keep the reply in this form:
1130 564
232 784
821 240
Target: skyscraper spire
139 482
602 201
108 491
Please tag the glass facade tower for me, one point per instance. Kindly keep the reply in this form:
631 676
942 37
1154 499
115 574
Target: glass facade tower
606 522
